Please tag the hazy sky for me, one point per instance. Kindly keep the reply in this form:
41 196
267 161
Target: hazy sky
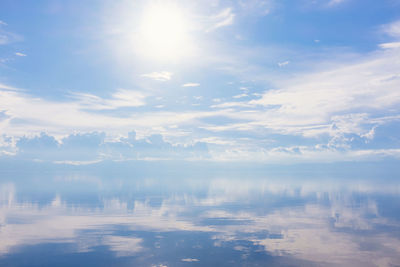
242 80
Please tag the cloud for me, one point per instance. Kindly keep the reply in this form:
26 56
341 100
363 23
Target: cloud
329 113
232 104
314 99
27 114
3 39
190 85
121 98
335 2
392 29
224 18
75 147
189 260
282 64
20 54
241 96
91 147
338 110
390 45
340 215
7 37
256 7
8 88
159 76
123 245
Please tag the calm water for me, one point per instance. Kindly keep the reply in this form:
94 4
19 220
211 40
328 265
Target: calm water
101 217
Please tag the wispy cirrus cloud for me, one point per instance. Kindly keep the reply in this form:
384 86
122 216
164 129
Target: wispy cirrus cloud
335 2
161 76
224 18
27 114
190 85
392 29
345 102
7 37
283 64
240 96
19 54
367 84
390 45
121 98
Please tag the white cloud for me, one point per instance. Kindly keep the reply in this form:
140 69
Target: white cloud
191 85
81 114
314 99
20 54
123 245
224 18
392 29
241 96
256 7
348 98
390 45
282 64
3 39
8 88
327 217
62 226
7 37
190 260
335 2
121 98
159 76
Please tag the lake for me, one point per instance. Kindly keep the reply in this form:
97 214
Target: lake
149 215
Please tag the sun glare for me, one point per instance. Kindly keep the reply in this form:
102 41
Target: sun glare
163 31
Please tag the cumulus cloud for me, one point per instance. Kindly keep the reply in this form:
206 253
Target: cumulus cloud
336 110
75 147
159 76
90 147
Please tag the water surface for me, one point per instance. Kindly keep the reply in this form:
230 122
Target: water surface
160 218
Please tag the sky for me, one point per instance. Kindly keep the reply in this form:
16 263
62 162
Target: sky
256 80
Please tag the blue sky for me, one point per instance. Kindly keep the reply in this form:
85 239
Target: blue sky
273 81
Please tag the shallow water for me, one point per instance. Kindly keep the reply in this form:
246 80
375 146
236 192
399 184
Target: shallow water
159 218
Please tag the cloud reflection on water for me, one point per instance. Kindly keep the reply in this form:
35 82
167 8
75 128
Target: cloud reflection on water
328 222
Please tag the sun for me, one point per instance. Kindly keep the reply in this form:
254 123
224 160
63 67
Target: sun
163 31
